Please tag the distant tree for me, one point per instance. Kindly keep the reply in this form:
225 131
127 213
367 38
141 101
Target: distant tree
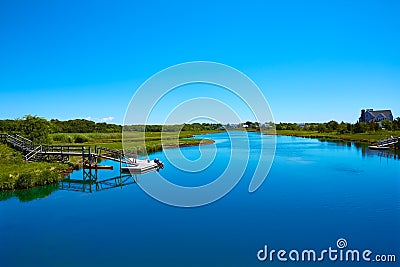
10 126
360 127
249 124
332 126
153 128
55 126
342 128
311 127
321 128
372 126
388 125
396 124
280 126
350 127
288 126
35 128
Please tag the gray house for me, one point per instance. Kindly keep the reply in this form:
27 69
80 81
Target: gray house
375 115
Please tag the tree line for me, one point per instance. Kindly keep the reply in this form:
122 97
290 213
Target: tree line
174 128
38 129
30 122
342 127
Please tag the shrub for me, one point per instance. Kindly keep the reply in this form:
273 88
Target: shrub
25 180
7 182
80 138
46 177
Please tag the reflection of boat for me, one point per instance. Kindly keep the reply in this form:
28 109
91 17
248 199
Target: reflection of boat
379 147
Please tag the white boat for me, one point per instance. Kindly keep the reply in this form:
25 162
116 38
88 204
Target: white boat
143 165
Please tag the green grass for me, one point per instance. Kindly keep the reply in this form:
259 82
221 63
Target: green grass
371 137
16 173
133 140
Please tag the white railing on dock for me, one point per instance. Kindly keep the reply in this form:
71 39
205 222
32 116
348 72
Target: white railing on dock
33 153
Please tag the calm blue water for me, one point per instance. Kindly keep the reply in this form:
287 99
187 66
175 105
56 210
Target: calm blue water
315 193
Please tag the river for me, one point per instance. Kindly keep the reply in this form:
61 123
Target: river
316 193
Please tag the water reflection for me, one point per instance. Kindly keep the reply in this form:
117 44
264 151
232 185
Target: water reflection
91 182
366 152
363 147
30 194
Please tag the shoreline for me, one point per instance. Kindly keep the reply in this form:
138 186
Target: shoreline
21 175
18 174
365 138
201 142
360 138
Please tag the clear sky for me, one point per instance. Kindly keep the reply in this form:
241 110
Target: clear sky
313 60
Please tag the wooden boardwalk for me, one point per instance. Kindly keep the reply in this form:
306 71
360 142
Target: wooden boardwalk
35 152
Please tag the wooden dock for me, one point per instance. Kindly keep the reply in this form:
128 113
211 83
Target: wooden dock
90 158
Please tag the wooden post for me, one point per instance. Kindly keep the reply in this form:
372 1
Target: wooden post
90 158
83 158
95 155
120 162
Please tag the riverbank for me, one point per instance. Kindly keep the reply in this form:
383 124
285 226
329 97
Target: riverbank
371 137
17 174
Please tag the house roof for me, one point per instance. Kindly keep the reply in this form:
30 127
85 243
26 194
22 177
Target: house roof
387 113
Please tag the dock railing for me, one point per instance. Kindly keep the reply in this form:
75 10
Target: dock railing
41 152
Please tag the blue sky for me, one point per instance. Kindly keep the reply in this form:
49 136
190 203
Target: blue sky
313 60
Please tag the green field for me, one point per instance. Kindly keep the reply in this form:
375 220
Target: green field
132 139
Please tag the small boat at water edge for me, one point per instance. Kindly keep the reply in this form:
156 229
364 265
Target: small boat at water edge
143 165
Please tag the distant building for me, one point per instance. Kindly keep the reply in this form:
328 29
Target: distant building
375 115
301 125
268 125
